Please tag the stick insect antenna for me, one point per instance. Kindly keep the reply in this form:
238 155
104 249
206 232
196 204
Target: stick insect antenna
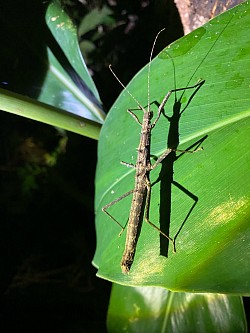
149 64
125 88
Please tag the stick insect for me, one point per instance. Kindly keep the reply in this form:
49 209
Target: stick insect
142 188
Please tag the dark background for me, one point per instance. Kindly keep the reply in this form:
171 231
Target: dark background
47 238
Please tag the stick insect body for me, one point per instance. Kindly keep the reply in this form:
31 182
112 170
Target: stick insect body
142 189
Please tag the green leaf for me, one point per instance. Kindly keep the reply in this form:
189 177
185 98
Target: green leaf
32 109
66 81
47 67
212 237
152 309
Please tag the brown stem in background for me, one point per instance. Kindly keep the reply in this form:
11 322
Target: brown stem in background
196 13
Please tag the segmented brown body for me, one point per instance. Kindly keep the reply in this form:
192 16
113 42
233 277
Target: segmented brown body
143 167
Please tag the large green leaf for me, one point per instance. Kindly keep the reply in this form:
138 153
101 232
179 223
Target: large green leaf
152 309
213 243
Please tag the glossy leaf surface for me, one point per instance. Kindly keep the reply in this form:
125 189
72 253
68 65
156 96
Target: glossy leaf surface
152 309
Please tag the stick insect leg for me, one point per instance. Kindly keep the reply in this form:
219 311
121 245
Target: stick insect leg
129 165
134 115
147 216
104 209
165 99
161 158
168 151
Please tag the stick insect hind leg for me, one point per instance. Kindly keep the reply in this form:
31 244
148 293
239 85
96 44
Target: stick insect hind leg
104 209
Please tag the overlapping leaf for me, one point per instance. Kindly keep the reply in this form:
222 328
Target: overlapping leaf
152 309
